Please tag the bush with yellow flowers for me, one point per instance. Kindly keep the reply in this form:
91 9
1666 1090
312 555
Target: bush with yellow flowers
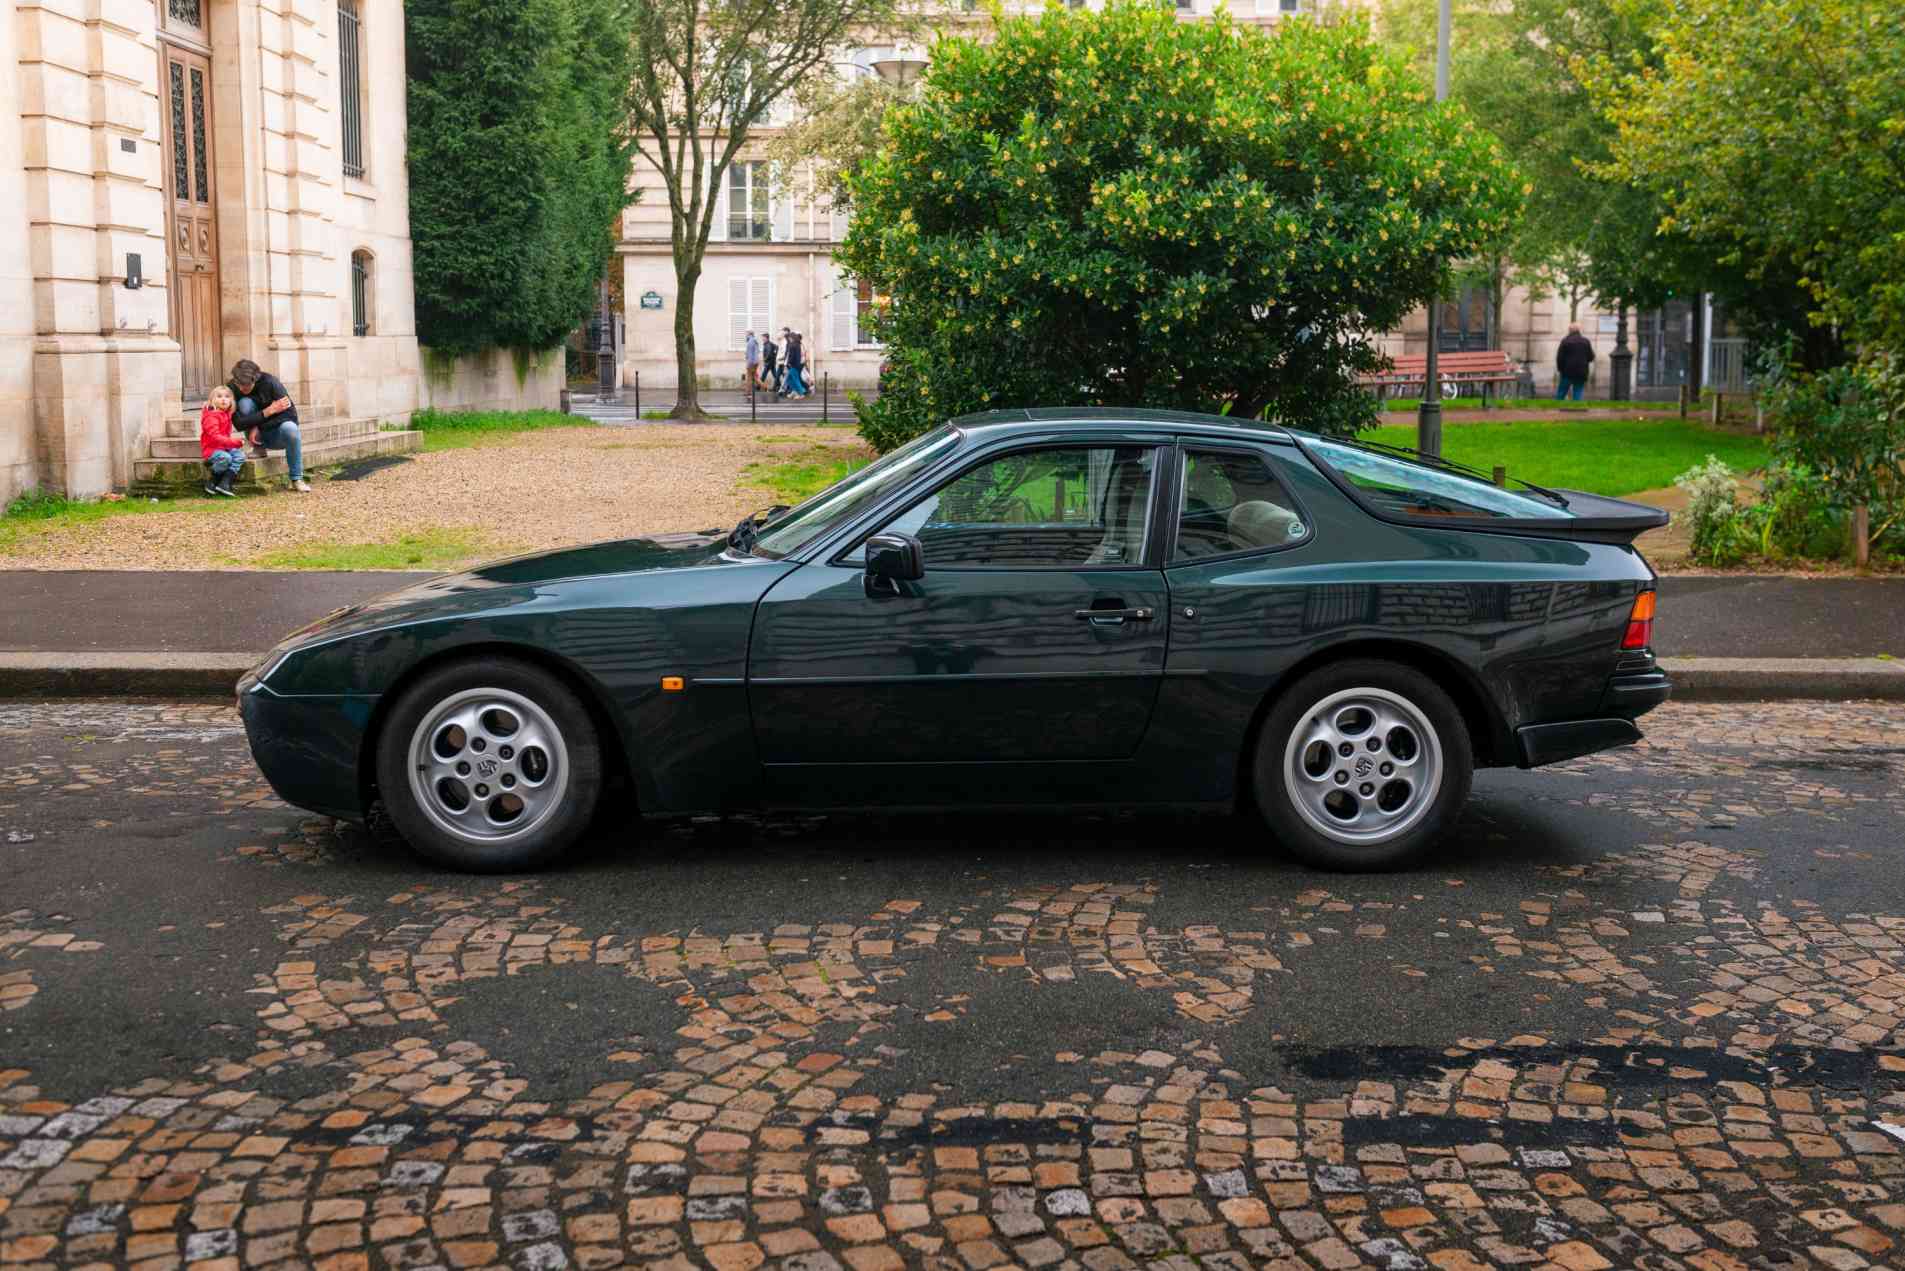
1120 208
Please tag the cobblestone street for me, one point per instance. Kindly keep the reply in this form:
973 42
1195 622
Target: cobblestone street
1648 1010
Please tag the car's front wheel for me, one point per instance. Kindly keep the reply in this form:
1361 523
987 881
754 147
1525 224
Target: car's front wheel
1362 765
489 765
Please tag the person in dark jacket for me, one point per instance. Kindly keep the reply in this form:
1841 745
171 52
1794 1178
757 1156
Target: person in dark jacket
1571 363
268 416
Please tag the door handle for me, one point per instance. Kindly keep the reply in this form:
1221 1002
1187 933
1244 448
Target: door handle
1113 617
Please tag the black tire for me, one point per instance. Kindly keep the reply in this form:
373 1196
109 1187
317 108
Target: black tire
1314 821
558 808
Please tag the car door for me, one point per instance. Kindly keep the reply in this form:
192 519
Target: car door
1036 636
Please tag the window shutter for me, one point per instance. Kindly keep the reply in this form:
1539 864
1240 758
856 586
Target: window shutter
845 306
761 303
738 317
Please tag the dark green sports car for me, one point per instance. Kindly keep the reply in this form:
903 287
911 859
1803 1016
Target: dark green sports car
1056 607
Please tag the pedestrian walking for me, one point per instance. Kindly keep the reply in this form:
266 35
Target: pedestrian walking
795 355
751 375
770 364
1571 363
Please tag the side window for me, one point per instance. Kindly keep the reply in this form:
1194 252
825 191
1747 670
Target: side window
1064 506
1233 502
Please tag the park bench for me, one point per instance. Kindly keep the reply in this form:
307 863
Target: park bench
1483 370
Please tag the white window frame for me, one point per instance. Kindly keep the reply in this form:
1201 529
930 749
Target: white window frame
843 318
759 180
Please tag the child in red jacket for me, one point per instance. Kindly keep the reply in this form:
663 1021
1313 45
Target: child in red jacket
222 449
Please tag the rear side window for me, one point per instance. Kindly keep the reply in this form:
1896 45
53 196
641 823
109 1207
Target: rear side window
1233 502
1397 487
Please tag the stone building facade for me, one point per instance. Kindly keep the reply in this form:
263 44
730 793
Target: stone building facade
187 182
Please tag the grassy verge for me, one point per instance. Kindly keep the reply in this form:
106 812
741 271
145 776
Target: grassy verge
455 429
427 550
39 512
805 474
1600 456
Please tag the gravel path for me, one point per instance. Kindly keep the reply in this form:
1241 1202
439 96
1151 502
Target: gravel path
526 491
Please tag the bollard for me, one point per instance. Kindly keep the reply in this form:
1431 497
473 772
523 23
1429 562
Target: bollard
638 394
826 394
1683 401
563 401
1501 475
1719 408
752 418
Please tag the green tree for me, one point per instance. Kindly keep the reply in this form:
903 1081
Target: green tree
1123 209
1780 127
519 163
706 74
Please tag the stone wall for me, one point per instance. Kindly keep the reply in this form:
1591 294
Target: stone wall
490 381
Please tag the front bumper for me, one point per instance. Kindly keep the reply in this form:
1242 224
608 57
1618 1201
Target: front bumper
309 748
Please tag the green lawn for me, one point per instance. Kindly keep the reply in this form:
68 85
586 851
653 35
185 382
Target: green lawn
1409 405
38 512
428 550
1600 456
455 429
803 475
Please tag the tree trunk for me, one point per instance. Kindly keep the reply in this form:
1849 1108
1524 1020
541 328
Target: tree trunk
687 386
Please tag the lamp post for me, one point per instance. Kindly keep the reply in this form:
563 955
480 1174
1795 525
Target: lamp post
1429 414
1622 389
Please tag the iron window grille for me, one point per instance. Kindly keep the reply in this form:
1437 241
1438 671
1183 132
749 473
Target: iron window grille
360 293
350 86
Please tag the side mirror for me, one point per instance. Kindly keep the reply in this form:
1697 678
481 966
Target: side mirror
893 559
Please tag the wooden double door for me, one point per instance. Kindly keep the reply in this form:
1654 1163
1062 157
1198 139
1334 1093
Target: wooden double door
192 217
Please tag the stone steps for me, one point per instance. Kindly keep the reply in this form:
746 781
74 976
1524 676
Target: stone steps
319 432
185 423
165 477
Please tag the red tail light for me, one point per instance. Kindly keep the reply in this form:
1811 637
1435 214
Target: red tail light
1640 623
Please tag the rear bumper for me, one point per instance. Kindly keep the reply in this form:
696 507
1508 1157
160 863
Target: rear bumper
1638 685
1551 743
308 747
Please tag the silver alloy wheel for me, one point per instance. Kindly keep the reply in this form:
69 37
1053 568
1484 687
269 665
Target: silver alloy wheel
1363 766
488 765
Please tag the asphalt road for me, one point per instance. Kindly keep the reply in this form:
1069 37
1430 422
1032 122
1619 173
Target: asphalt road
1644 1010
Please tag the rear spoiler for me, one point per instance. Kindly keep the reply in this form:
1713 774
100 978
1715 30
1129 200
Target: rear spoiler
1600 519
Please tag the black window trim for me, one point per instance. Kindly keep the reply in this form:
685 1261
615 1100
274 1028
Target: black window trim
1617 527
1182 471
1161 448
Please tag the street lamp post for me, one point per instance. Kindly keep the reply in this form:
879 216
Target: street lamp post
1429 414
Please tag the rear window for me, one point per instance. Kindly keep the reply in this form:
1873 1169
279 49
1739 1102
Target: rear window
1397 487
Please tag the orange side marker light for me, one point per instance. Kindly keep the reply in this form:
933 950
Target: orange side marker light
672 684
1640 623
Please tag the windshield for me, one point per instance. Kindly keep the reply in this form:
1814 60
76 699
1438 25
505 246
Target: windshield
839 503
1397 487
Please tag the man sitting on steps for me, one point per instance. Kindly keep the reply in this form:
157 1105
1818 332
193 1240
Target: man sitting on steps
268 416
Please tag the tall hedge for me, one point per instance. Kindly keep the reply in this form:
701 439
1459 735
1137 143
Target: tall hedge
1124 209
519 165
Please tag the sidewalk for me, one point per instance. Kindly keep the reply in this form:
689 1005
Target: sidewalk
86 632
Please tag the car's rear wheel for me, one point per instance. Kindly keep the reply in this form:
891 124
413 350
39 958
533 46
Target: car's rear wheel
1362 765
489 765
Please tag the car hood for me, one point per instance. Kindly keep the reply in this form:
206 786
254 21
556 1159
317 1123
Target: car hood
518 578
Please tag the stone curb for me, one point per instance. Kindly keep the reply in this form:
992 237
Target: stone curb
1785 679
193 675
212 675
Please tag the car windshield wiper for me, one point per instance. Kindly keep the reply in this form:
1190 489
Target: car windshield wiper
745 531
1459 469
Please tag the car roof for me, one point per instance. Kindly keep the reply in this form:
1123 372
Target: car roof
989 424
